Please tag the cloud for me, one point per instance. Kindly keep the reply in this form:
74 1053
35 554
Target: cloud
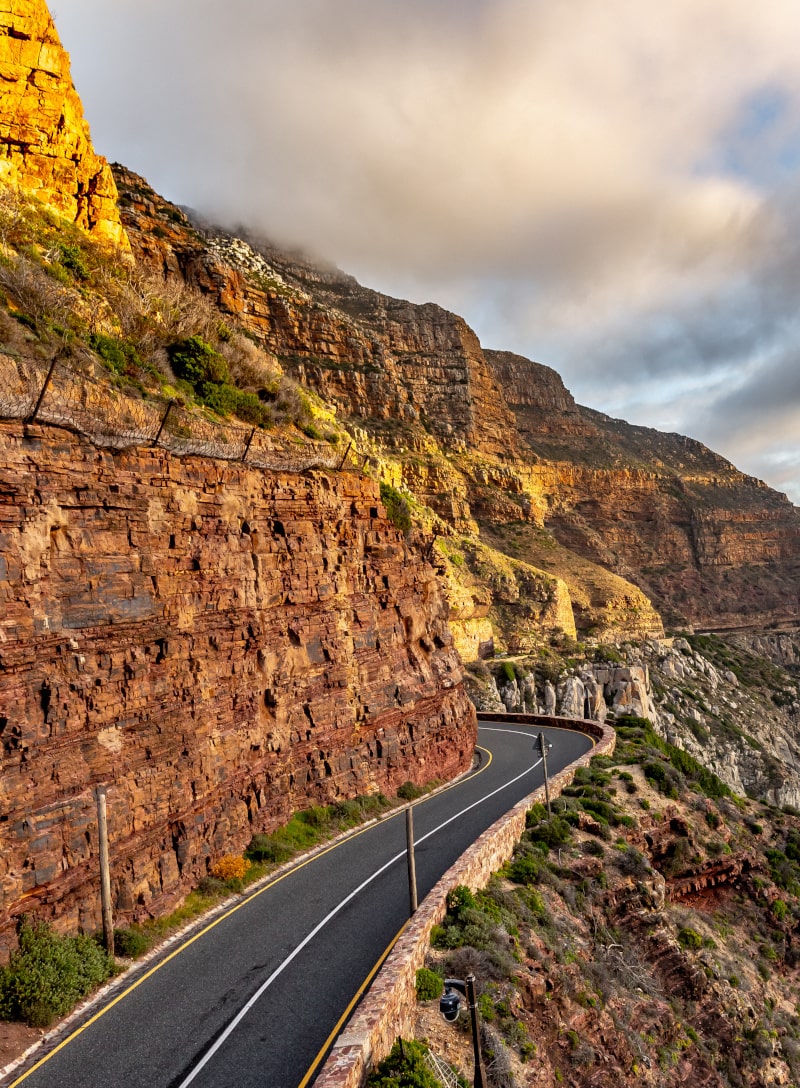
604 187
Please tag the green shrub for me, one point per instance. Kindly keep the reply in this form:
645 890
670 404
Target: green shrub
47 974
535 814
267 848
218 396
429 985
658 775
690 938
120 355
249 408
196 361
779 909
459 899
525 869
550 834
397 509
409 792
130 943
72 258
404 1068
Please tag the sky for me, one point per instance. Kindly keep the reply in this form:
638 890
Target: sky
608 188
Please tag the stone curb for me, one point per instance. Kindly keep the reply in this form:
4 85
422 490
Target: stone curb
387 1010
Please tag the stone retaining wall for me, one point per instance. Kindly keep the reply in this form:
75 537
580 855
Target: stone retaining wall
388 1008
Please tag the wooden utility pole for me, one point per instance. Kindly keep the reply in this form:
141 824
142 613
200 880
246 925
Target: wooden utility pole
412 865
543 747
105 871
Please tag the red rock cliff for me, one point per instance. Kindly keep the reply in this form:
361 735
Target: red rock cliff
491 438
220 645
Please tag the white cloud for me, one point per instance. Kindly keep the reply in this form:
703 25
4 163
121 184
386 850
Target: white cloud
590 184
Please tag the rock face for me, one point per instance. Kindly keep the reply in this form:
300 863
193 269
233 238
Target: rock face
45 147
369 355
488 439
742 724
220 645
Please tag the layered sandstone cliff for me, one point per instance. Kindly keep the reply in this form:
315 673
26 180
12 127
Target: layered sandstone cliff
45 146
220 645
495 445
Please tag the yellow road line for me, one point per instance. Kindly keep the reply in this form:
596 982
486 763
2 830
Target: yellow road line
207 929
357 997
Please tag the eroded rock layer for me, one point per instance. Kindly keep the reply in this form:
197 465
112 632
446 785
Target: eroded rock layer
495 444
45 146
220 645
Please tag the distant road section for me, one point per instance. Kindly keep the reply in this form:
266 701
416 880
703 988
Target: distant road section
251 1000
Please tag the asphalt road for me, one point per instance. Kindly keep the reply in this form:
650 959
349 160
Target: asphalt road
253 999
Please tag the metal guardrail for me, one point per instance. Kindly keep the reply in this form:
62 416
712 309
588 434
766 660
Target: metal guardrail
55 392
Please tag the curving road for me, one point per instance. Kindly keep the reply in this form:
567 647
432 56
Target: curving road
256 997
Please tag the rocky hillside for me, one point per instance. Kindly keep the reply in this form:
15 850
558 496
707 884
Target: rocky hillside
219 645
141 588
724 702
494 450
647 934
221 639
45 147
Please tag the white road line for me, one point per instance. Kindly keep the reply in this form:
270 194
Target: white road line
474 804
245 1009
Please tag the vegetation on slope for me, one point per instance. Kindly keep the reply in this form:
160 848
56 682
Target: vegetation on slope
152 336
646 933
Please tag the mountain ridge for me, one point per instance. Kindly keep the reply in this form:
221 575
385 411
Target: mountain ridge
479 435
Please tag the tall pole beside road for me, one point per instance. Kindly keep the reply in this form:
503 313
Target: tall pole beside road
412 865
543 745
105 870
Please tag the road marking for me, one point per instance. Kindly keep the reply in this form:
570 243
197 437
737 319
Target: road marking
360 992
480 801
245 1009
206 929
531 725
356 998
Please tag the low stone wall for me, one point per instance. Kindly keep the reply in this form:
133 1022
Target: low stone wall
388 1008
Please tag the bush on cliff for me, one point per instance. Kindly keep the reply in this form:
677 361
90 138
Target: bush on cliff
195 361
429 984
397 509
405 1067
47 974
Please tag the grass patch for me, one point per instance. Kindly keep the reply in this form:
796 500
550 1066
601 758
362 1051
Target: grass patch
313 825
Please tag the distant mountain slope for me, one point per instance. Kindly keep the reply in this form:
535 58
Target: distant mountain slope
488 438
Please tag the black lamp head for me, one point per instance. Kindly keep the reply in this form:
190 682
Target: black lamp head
450 1005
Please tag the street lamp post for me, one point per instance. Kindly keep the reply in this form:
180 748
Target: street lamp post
544 746
450 1006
